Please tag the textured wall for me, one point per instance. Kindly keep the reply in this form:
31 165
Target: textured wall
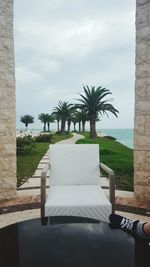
7 103
142 103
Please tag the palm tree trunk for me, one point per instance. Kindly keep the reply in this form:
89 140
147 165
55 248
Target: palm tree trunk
83 126
93 133
69 124
79 126
58 126
62 131
44 128
74 125
48 125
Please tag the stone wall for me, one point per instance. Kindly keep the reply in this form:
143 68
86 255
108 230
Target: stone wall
7 103
142 103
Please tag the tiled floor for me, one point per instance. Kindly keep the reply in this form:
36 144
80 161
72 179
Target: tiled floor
10 218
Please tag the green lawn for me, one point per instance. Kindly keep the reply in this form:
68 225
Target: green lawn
116 156
27 164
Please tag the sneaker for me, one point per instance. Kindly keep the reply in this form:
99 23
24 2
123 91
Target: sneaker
127 225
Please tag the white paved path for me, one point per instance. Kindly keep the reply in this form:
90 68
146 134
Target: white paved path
71 140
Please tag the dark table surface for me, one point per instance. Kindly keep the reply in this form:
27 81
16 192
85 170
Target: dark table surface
30 244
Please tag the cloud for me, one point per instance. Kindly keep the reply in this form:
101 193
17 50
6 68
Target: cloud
60 39
44 65
26 76
72 34
62 44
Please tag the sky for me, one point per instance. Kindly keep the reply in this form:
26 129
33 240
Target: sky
61 45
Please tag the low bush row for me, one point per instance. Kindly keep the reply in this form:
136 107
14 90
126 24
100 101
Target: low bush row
26 143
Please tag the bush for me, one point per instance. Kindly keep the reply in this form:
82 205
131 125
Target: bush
110 137
25 144
46 138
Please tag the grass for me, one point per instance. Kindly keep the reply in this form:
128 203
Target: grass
27 164
116 156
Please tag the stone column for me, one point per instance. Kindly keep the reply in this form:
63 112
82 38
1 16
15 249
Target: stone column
7 103
142 104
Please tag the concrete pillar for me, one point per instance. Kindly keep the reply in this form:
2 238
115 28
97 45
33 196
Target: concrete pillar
7 103
142 104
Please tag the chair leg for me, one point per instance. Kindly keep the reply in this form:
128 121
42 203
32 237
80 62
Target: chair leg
44 220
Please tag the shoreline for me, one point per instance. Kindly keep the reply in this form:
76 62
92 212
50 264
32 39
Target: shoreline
105 135
124 138
101 134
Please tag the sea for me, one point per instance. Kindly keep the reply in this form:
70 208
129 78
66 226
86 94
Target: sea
124 136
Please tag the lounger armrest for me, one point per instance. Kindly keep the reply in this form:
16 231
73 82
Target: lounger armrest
111 176
43 188
45 170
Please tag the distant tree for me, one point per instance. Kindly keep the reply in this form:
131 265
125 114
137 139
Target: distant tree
69 121
63 109
57 117
71 115
74 120
93 103
78 115
84 118
81 117
27 119
44 119
50 119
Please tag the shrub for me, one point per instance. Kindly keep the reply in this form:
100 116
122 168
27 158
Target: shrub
67 133
25 144
46 138
110 137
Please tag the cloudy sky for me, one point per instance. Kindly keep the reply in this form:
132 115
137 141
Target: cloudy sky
61 45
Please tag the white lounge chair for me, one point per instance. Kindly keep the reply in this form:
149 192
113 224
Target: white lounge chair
75 183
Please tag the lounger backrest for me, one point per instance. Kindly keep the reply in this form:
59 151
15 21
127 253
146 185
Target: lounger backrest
74 164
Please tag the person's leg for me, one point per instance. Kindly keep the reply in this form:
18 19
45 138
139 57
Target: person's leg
135 228
147 229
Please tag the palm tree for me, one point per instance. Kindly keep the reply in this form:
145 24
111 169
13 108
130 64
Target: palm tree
26 119
44 119
56 117
78 115
50 119
63 109
69 121
84 118
74 120
93 103
72 113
